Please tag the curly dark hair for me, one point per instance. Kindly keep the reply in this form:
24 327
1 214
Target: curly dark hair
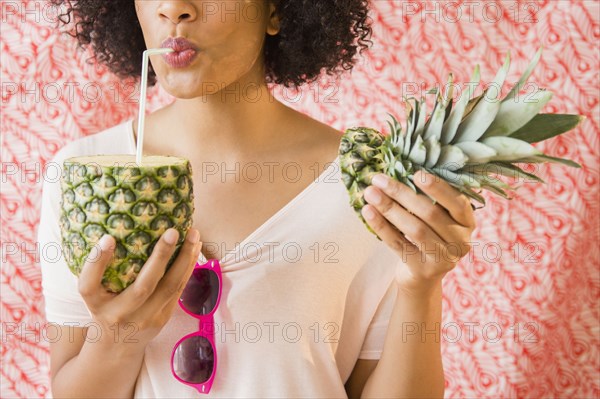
314 36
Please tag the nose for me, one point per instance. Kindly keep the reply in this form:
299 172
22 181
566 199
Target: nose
177 11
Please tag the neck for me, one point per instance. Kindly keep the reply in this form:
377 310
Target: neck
235 122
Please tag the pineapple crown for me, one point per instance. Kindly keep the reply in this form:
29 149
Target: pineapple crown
466 141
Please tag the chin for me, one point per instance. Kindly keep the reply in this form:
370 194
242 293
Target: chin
180 87
193 84
183 93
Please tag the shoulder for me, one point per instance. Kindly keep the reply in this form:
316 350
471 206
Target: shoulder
318 131
114 140
314 138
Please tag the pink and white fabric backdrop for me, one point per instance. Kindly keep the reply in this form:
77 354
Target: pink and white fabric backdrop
521 315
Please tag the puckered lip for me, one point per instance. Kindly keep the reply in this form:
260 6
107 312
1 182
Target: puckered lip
178 44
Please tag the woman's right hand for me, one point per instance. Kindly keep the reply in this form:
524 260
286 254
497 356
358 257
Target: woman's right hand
137 314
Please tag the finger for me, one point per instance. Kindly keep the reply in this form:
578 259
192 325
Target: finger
434 215
457 204
171 286
429 227
388 233
409 224
417 204
90 279
410 249
177 288
152 271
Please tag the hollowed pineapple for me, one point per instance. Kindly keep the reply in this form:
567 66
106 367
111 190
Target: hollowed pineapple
111 194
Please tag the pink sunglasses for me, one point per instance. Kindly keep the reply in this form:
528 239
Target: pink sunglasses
194 357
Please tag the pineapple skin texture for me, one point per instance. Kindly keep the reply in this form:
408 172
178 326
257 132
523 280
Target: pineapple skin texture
135 205
362 156
360 159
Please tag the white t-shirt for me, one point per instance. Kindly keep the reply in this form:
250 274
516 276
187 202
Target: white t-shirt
304 296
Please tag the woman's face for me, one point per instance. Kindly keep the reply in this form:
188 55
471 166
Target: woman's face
226 37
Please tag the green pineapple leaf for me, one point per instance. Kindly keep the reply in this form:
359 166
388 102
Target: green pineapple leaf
484 113
541 158
456 116
513 115
517 88
545 126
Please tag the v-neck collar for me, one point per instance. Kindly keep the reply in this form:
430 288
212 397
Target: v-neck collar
226 259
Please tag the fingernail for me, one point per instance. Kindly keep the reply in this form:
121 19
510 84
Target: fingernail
107 242
368 213
193 236
373 197
171 236
422 178
380 180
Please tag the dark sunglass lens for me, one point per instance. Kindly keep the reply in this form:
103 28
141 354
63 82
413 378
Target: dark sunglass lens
201 292
194 360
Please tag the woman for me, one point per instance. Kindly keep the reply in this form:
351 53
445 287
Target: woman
345 314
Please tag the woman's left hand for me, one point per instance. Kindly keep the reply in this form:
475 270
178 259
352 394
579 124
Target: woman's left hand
440 232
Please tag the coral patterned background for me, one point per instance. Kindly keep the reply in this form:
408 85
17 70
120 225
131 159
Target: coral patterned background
521 316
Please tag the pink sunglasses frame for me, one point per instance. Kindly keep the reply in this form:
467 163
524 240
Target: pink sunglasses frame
203 321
